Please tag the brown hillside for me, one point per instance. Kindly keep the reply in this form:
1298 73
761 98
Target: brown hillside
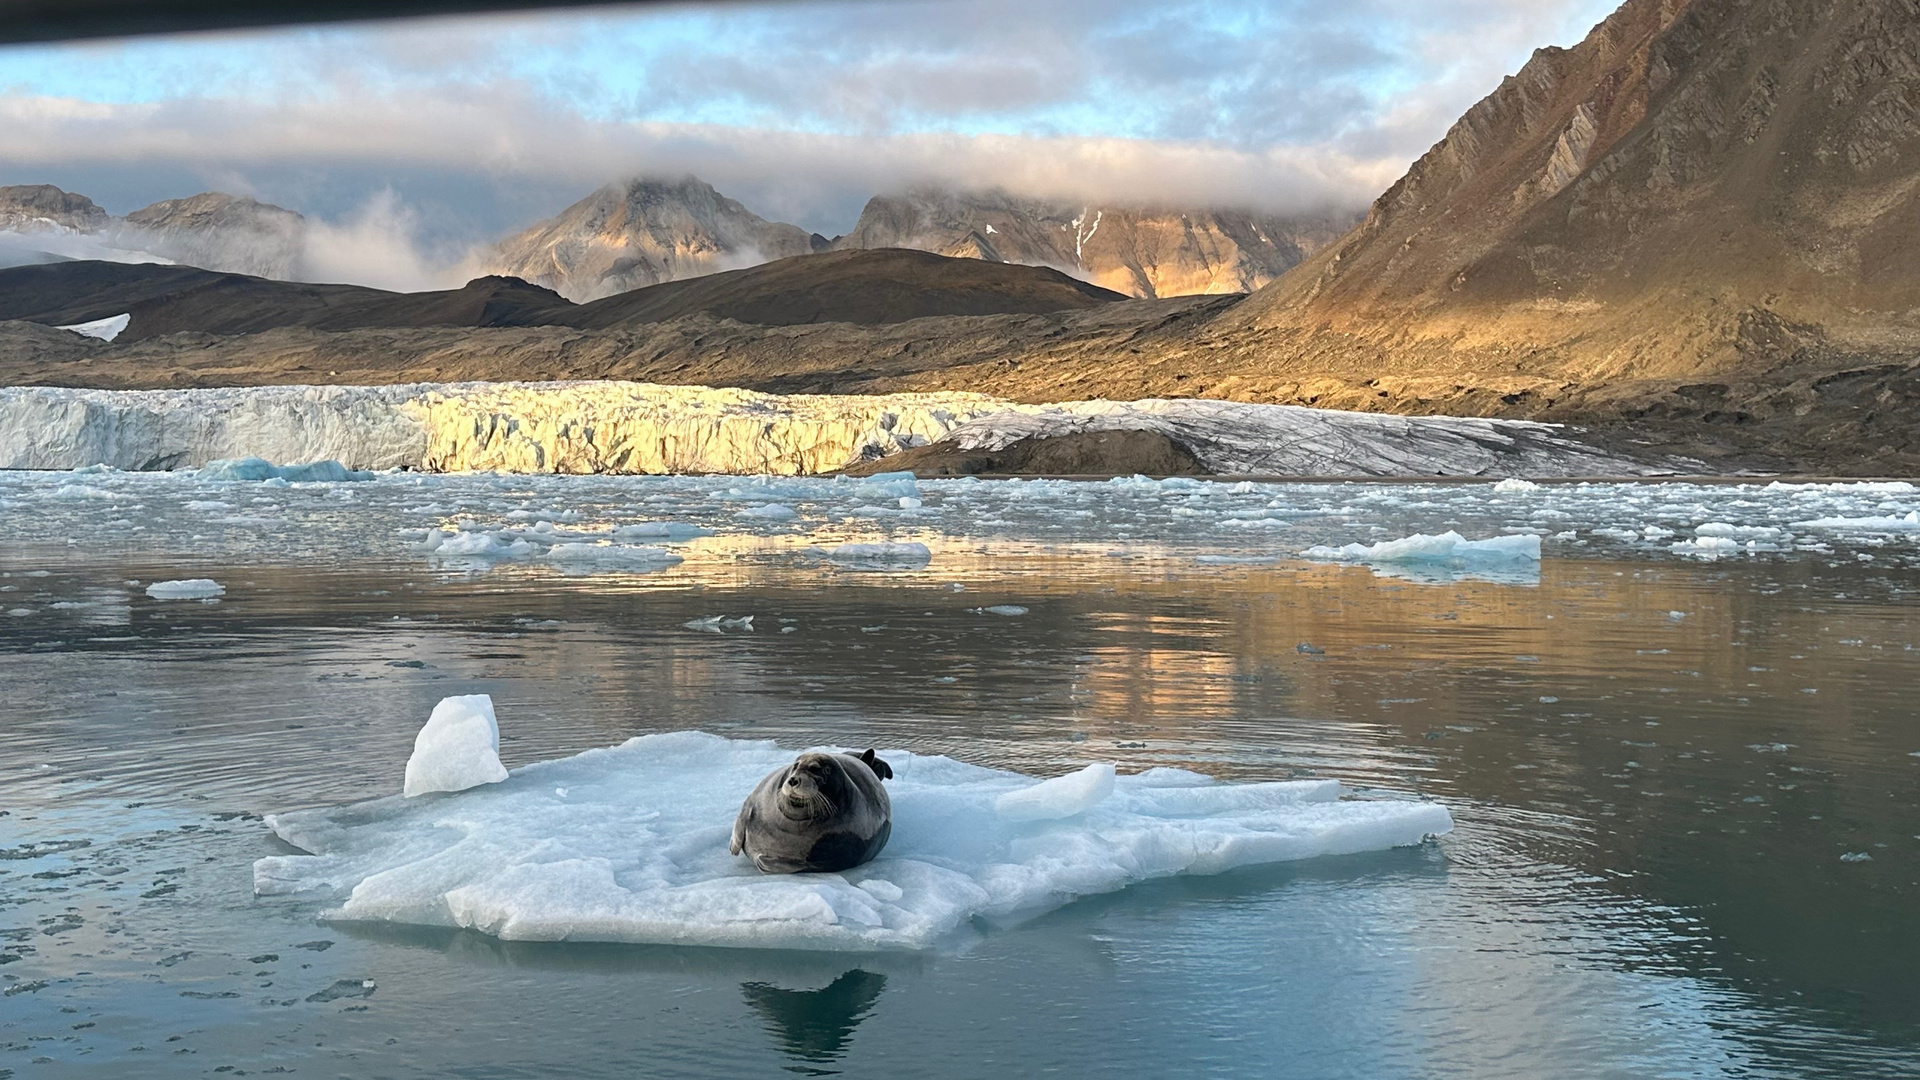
1699 187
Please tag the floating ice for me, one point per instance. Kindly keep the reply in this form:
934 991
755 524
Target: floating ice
1444 548
771 512
1709 547
253 468
664 530
636 850
1515 484
889 556
1888 524
104 329
611 555
1729 531
458 748
1009 610
888 485
720 624
476 545
186 589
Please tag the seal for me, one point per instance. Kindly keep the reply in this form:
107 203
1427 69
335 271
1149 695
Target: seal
820 815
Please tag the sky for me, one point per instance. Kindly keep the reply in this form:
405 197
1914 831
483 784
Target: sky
454 131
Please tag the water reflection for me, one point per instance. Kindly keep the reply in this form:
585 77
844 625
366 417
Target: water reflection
1688 749
814 1026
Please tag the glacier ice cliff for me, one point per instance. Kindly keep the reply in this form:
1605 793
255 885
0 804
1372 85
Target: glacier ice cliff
642 428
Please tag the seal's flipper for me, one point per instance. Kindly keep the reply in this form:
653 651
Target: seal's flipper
880 768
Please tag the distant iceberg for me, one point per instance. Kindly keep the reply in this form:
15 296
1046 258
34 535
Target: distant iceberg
254 468
629 844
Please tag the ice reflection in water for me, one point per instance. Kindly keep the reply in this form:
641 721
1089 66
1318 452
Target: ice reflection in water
1657 764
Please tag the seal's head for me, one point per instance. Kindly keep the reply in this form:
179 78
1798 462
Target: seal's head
814 789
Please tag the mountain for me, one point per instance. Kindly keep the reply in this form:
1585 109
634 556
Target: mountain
643 232
31 208
867 288
1701 202
213 230
857 287
1140 252
218 231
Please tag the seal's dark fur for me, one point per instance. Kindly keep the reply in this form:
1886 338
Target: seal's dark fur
822 814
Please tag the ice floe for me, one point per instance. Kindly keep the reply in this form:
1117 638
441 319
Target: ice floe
253 468
1447 547
1908 522
186 589
576 553
881 556
635 850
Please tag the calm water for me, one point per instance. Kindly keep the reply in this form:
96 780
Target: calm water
1688 793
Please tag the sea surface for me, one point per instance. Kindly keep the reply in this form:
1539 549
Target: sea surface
1682 751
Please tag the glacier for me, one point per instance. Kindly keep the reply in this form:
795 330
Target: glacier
642 428
629 844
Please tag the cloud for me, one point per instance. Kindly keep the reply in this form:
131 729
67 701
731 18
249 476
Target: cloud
505 133
448 132
379 246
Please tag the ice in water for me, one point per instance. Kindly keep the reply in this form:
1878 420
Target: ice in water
253 468
1420 547
636 848
459 748
186 589
869 556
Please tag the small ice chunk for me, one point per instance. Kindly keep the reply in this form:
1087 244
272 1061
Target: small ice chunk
865 555
888 485
186 589
475 545
1060 797
1420 547
771 512
458 748
1010 610
1887 524
1513 484
253 468
1731 531
664 530
612 555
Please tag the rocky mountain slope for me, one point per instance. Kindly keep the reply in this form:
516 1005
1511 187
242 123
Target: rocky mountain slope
217 231
1140 252
31 208
862 287
1701 190
228 233
643 232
